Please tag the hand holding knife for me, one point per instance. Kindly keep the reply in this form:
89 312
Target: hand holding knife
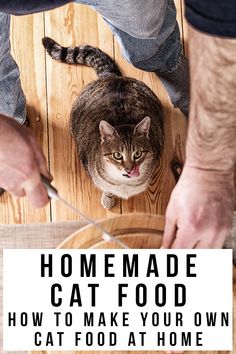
53 194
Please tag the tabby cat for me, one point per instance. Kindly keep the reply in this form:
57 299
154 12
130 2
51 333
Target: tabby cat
117 124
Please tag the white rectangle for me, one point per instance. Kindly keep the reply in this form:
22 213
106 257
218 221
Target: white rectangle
153 313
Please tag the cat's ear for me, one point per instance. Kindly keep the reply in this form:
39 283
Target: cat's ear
107 131
142 128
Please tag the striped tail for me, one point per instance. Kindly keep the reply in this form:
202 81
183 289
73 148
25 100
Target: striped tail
84 54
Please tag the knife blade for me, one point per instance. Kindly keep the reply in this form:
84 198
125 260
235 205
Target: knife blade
53 194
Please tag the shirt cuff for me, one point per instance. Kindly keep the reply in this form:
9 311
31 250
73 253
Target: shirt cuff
204 23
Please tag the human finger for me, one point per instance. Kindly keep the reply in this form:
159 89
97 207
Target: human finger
35 190
184 239
169 232
19 193
38 197
40 158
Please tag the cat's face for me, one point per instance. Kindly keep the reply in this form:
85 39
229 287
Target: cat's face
127 152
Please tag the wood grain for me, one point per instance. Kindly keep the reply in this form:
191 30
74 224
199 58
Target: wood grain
61 84
185 29
179 9
156 198
78 24
133 229
71 25
26 33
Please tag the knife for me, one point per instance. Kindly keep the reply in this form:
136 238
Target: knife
53 194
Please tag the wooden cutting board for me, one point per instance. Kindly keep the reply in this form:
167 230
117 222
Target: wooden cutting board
137 231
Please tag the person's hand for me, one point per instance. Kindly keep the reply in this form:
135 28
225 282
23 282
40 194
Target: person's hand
21 162
200 211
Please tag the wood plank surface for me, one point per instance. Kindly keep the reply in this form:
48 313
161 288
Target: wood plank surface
26 33
55 89
140 232
156 198
72 25
30 236
185 29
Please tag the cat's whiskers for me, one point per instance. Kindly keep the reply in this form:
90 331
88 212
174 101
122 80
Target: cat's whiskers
114 116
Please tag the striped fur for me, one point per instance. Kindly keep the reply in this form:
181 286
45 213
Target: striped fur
83 54
113 114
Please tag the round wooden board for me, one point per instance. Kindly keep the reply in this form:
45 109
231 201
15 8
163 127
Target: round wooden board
137 231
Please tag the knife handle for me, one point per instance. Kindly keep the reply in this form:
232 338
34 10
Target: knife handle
52 191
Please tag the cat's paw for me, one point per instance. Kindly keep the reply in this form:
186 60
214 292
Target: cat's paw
108 200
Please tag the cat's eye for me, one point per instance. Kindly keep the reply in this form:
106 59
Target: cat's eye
117 156
138 154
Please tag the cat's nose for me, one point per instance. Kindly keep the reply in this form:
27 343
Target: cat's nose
128 170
